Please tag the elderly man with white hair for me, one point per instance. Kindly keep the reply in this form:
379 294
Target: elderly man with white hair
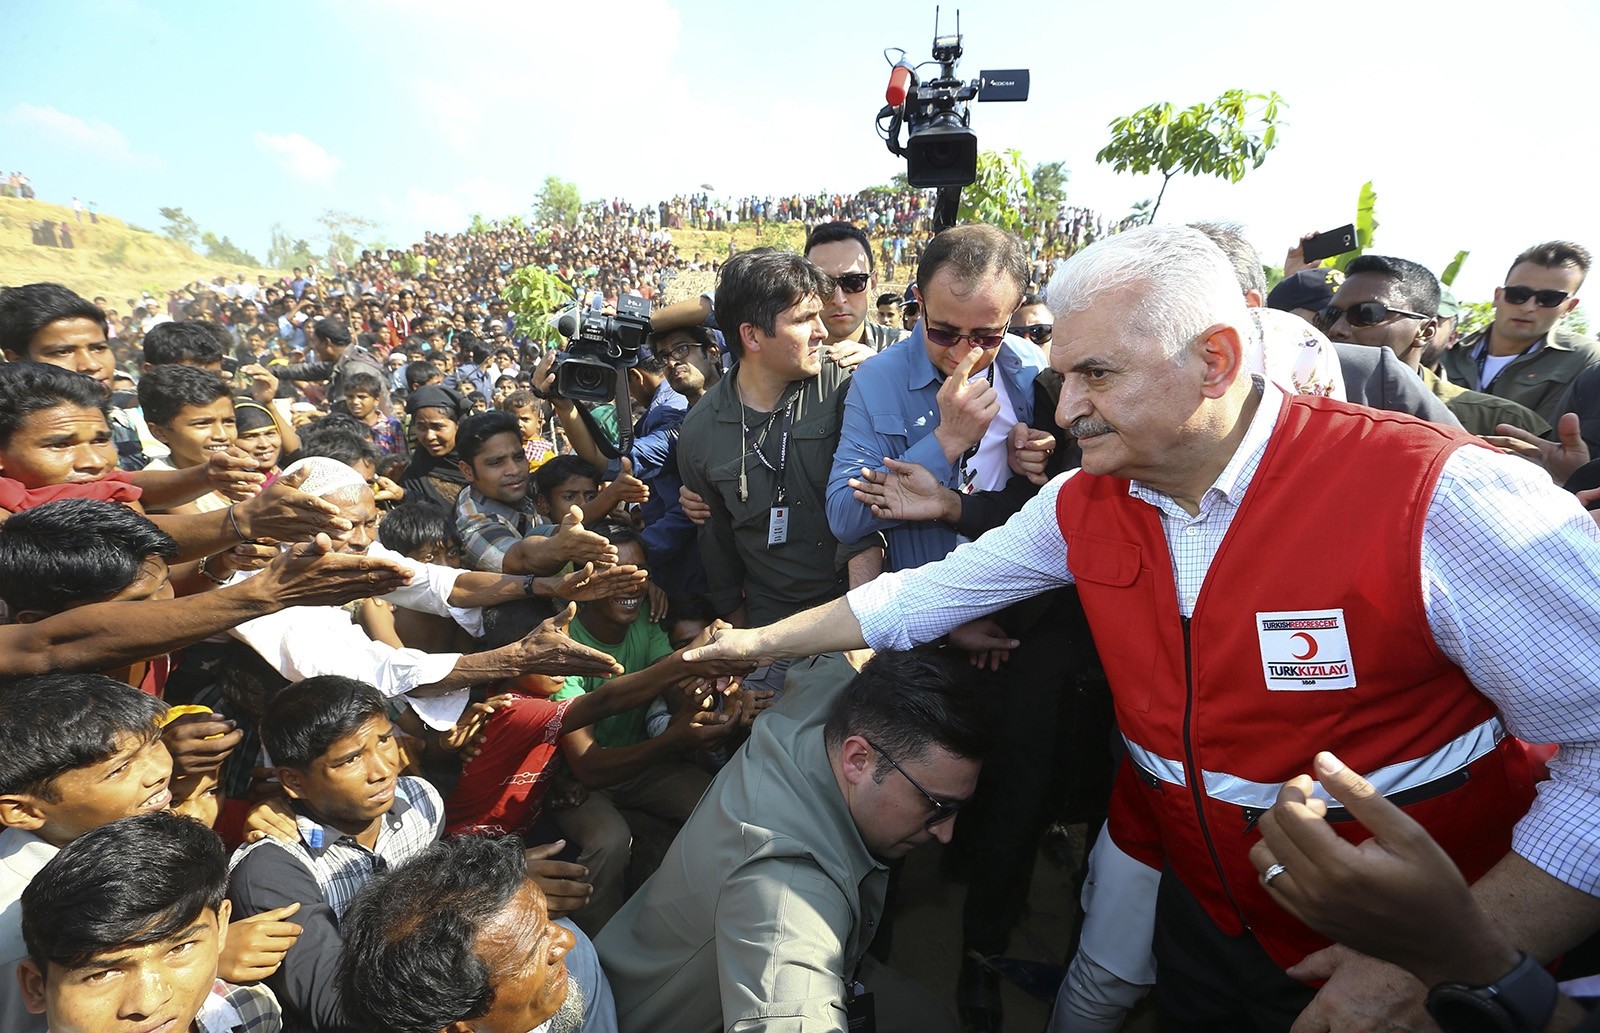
308 641
1268 576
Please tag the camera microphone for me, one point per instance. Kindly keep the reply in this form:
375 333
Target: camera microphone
900 79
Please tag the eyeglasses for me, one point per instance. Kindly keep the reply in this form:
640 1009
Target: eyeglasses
1038 333
1363 313
1546 299
943 810
950 338
853 283
679 351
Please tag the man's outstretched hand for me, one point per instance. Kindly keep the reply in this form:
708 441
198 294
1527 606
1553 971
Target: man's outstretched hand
1560 459
287 514
727 644
713 667
575 544
548 649
905 491
587 584
312 574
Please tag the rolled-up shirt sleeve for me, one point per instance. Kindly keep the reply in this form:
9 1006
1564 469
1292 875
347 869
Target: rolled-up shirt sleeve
1019 559
429 590
1511 585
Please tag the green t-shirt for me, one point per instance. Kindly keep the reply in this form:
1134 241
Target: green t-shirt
644 644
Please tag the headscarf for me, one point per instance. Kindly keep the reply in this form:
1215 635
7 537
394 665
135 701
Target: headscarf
1296 356
251 416
429 477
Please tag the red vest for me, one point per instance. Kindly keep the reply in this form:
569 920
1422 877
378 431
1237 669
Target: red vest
1308 634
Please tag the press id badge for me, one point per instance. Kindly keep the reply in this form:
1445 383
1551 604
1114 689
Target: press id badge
861 1015
778 526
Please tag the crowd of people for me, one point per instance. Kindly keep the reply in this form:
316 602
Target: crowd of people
357 676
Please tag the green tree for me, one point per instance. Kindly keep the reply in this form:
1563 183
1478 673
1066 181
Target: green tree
1001 194
558 203
478 224
342 232
1049 187
1223 138
179 227
534 295
285 251
224 250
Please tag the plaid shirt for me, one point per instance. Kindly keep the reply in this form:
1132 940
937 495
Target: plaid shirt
489 528
342 866
239 1009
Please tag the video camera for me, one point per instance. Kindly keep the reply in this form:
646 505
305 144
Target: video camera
600 348
941 150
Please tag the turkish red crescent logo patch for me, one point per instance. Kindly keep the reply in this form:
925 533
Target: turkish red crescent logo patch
1305 650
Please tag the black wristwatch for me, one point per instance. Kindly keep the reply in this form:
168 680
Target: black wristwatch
1521 1001
529 585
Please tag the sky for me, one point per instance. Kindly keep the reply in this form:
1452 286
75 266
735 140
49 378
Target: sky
1476 122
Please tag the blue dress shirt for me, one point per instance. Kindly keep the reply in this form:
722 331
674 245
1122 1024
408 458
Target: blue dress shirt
892 410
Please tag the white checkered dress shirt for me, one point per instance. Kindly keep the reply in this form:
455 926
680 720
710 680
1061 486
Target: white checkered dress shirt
1511 587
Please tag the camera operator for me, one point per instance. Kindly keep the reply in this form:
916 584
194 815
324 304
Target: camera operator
652 457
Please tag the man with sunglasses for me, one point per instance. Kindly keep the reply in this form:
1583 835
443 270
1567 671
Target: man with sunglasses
1033 320
842 251
761 913
1393 303
1522 356
947 398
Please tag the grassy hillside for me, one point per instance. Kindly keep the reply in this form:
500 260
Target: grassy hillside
713 245
108 258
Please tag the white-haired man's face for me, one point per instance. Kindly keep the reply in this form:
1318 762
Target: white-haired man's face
1135 412
356 505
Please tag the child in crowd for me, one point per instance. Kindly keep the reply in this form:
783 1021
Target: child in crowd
620 763
362 394
525 407
190 410
77 751
426 533
257 433
566 481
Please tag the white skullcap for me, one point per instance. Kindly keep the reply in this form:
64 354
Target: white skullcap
325 476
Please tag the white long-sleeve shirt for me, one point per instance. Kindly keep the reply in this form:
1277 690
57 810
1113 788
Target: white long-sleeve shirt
308 641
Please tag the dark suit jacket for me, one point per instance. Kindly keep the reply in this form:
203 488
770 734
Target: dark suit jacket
1375 378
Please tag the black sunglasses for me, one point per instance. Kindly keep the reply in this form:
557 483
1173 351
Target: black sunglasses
1546 299
1362 314
853 283
949 338
943 810
1038 333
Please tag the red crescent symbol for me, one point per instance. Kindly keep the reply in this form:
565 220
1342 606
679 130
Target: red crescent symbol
1311 645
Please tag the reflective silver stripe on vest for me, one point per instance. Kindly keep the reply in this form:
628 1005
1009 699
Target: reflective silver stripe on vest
1392 778
1155 764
